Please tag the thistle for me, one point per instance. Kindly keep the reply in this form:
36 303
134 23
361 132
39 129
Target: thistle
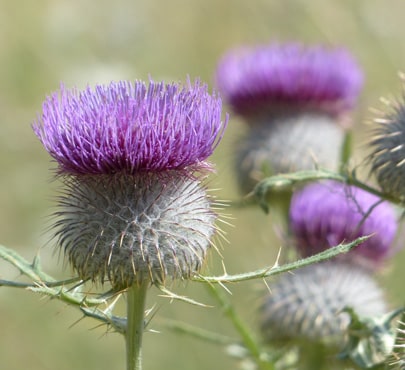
388 150
134 210
326 214
295 100
397 360
307 306
132 159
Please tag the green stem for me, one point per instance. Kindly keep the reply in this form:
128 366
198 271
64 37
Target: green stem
276 269
247 338
136 297
199 333
288 181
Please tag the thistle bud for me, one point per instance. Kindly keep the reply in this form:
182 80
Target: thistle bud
388 150
308 303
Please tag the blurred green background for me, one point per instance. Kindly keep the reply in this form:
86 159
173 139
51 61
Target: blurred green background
83 42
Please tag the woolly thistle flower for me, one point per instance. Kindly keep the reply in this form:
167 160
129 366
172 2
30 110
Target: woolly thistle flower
132 159
388 150
307 304
294 99
326 214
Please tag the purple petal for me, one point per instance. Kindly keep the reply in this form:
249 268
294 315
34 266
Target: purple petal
131 127
325 214
289 73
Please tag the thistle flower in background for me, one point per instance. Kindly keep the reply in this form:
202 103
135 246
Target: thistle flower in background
388 150
397 360
295 100
132 158
328 213
307 304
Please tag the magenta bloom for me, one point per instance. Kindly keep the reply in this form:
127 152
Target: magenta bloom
292 73
326 214
131 156
295 99
130 127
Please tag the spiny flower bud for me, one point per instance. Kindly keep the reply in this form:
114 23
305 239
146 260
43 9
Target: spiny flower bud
131 158
287 143
323 215
388 150
307 304
295 100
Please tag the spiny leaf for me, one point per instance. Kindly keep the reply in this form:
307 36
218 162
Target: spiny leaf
371 339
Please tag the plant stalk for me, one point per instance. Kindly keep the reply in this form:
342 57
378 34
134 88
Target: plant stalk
136 297
246 336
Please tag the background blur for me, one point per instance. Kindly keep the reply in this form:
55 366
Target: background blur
84 42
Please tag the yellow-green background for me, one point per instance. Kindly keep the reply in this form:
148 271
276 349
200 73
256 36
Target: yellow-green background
80 41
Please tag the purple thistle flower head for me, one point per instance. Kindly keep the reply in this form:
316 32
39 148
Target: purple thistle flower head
131 127
270 76
132 209
323 215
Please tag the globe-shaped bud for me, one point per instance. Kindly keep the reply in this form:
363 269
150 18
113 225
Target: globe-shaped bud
388 150
308 303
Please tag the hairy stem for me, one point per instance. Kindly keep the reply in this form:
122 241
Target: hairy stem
136 297
289 181
247 338
276 269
